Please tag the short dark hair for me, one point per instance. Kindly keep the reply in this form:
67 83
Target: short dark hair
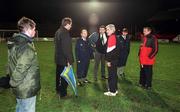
124 30
103 26
25 23
148 28
66 21
84 29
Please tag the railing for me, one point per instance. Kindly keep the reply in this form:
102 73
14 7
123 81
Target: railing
4 31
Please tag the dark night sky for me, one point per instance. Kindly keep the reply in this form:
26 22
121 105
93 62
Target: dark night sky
48 13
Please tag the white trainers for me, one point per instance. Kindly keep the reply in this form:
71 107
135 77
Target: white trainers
110 93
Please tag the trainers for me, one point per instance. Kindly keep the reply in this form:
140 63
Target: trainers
115 92
79 84
86 81
104 77
110 93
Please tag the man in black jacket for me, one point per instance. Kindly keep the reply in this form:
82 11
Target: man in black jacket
124 48
63 54
100 53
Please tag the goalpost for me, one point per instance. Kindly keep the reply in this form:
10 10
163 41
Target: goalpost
4 33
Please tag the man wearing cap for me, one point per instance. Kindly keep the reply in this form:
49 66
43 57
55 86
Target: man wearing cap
147 52
124 48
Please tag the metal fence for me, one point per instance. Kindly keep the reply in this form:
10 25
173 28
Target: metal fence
4 34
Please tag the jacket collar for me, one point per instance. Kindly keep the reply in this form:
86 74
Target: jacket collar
149 36
84 39
27 37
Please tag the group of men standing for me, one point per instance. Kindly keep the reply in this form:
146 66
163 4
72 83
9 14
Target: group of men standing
23 66
108 47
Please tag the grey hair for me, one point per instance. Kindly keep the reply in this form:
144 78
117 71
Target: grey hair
111 26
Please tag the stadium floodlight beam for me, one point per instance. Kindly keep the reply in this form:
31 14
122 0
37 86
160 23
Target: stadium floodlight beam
94 4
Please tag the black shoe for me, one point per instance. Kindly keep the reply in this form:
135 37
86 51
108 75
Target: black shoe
140 85
148 88
64 94
65 97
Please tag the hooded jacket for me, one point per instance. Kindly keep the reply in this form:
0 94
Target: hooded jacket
23 66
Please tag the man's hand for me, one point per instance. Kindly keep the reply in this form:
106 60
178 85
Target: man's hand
109 64
142 66
68 64
78 61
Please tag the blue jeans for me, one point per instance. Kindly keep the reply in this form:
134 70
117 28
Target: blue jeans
26 105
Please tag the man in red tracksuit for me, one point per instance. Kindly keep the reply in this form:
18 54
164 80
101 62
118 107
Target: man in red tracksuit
147 52
112 55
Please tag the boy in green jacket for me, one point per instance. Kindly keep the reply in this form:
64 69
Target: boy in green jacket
23 66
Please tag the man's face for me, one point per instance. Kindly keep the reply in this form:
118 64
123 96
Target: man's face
31 32
102 30
124 33
146 31
109 31
84 33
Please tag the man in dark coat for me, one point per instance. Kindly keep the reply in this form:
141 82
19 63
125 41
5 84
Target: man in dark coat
84 53
100 50
147 52
63 54
124 47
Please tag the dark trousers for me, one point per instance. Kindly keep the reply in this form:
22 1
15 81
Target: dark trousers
82 69
61 84
112 76
146 76
99 58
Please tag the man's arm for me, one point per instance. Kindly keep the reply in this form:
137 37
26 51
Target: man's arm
154 47
77 47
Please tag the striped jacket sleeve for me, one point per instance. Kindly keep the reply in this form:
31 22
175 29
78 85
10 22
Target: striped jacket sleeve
154 47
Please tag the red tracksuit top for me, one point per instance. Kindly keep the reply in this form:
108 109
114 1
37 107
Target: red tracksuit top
148 50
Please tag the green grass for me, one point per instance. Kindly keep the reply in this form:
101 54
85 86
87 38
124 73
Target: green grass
165 96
